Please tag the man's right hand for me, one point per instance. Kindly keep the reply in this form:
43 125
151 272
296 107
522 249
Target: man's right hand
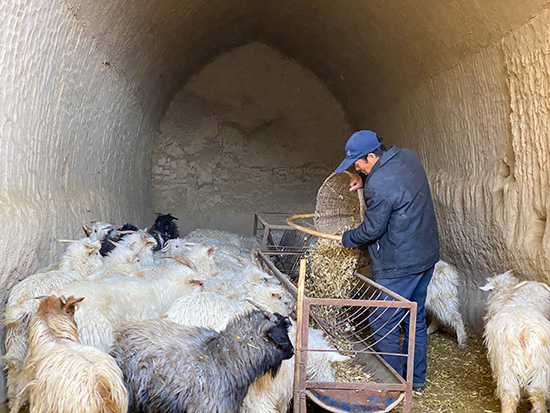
355 182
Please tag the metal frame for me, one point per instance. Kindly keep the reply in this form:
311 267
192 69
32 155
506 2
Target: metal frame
358 393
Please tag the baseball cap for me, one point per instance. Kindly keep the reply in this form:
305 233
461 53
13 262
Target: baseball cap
359 144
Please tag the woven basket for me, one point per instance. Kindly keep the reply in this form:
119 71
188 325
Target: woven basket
338 208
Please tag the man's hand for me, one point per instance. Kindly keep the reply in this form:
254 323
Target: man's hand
339 240
355 182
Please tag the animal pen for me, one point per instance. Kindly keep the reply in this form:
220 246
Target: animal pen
344 320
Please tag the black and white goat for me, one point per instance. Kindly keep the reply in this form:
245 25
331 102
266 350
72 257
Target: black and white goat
170 368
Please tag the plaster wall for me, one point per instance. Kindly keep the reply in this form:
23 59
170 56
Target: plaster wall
252 132
481 129
74 143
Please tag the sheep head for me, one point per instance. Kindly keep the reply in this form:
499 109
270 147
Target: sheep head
58 305
278 333
504 280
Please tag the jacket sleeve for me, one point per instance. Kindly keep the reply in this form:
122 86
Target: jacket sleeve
375 222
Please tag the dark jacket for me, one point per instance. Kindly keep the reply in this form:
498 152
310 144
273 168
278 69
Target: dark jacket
399 228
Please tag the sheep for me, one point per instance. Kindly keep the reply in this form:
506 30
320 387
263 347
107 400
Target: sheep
244 283
114 235
97 230
205 309
213 310
80 259
114 301
201 254
248 243
171 368
517 336
164 229
132 255
442 301
60 374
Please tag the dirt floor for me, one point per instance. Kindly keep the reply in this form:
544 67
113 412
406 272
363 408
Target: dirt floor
458 380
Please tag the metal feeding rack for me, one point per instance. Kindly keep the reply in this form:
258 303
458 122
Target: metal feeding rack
345 321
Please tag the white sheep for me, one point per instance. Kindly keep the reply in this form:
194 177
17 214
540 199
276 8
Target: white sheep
517 336
60 374
442 301
114 301
97 230
273 394
248 243
201 254
131 256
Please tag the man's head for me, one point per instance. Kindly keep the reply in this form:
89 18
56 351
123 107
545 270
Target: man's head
359 151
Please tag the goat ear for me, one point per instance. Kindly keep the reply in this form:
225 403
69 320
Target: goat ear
70 303
210 250
487 287
87 229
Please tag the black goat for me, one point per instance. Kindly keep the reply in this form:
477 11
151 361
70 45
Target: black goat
169 368
164 229
114 235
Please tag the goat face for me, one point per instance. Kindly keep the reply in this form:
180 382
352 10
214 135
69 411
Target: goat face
278 333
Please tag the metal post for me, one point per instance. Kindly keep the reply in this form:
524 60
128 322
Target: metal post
299 363
407 406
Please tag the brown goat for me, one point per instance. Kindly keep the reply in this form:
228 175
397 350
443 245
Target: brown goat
62 375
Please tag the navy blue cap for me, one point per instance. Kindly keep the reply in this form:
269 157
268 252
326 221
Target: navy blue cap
359 144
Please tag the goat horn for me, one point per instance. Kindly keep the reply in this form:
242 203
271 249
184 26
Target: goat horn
546 286
262 309
41 297
66 241
125 232
521 284
116 244
186 261
139 250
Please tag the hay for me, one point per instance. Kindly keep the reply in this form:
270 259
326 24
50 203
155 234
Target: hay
331 275
331 270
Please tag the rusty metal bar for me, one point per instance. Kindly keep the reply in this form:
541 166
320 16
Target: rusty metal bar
300 357
358 303
355 386
407 406
279 275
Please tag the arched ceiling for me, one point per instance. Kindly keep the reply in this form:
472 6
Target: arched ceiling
368 52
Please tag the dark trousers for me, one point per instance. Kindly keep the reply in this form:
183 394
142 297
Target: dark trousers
386 331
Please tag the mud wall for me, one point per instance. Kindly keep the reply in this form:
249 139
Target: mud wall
252 132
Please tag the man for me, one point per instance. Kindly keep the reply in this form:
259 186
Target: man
399 230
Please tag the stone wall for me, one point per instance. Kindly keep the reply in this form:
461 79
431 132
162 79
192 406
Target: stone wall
252 132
